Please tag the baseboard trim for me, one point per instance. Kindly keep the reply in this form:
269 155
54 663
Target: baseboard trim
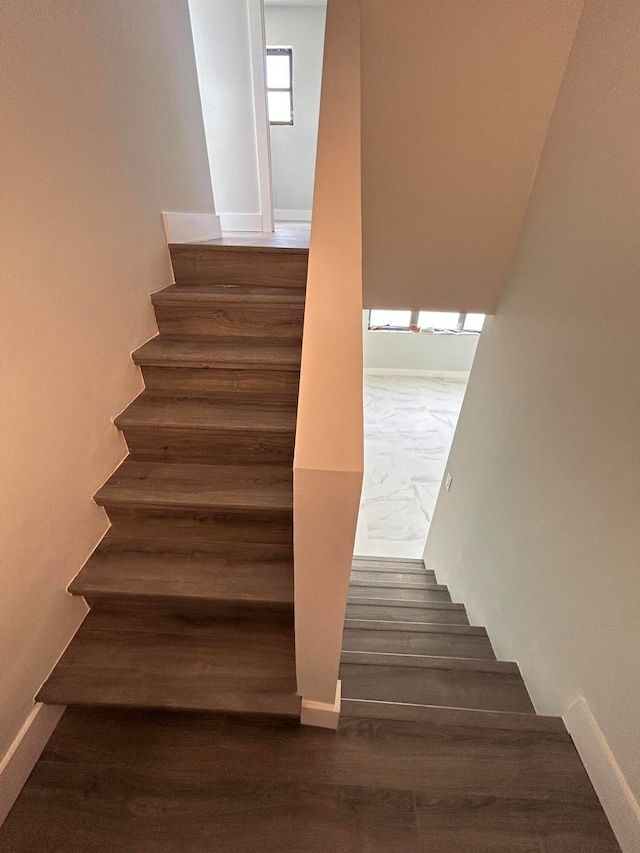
322 715
292 215
191 227
24 752
617 798
242 222
407 371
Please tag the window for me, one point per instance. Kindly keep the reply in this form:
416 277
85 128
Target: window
450 322
280 85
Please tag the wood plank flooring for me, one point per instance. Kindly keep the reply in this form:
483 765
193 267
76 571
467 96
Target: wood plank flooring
192 589
162 782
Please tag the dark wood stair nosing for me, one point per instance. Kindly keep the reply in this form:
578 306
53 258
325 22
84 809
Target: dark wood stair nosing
398 659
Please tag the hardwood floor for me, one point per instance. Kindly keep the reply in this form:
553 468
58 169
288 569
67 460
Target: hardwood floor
192 589
163 782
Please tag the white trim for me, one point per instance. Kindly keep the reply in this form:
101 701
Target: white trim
293 215
407 371
323 715
191 227
617 798
258 48
242 222
22 755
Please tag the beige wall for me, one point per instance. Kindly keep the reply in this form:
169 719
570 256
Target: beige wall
101 130
539 534
456 100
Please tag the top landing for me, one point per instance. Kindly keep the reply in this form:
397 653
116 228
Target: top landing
288 235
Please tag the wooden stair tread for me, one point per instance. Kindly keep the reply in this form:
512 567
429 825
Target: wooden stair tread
400 578
194 576
441 715
500 667
213 294
418 627
374 585
195 413
410 638
239 666
195 486
216 351
400 602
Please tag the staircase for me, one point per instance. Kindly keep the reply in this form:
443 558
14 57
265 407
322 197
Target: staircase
191 590
409 651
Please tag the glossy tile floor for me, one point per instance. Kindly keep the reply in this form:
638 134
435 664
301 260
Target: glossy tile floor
409 426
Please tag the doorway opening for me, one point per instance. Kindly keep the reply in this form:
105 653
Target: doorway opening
416 369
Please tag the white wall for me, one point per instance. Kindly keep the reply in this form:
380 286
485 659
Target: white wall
228 44
408 351
456 100
539 535
293 148
101 132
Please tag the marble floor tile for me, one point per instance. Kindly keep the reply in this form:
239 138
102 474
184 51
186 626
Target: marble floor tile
409 426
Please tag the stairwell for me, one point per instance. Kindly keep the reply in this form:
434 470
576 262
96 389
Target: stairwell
191 590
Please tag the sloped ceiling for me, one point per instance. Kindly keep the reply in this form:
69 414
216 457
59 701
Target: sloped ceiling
457 97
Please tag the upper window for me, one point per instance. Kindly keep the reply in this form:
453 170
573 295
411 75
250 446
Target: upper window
424 321
280 84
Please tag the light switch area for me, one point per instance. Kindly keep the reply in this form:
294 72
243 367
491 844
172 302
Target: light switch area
448 481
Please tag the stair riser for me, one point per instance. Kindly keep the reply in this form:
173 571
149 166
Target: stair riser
107 609
275 386
399 593
415 643
202 265
406 614
451 688
116 542
183 445
193 529
393 577
238 321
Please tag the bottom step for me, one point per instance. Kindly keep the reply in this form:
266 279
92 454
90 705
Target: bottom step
154 660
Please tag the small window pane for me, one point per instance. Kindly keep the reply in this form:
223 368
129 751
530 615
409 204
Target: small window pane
395 319
278 71
438 320
474 322
280 107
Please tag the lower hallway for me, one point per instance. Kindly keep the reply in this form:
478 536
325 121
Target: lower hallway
169 782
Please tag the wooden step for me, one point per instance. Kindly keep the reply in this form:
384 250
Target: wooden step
199 488
407 611
424 577
456 641
207 263
207 352
265 386
213 584
144 659
420 679
238 310
380 564
211 431
385 590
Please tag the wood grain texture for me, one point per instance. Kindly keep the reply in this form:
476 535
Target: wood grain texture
146 781
230 311
263 385
407 611
390 590
422 577
202 351
216 263
444 642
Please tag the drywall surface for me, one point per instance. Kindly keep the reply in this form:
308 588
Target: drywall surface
293 147
101 132
456 100
539 534
413 351
224 38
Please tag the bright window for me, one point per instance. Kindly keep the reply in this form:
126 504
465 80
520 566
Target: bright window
425 321
280 85
438 320
390 320
473 322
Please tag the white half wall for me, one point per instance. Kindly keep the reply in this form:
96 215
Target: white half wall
539 535
101 132
229 46
293 147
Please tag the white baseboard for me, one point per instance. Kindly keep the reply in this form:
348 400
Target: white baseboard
242 222
22 755
191 227
323 715
292 215
408 371
617 798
